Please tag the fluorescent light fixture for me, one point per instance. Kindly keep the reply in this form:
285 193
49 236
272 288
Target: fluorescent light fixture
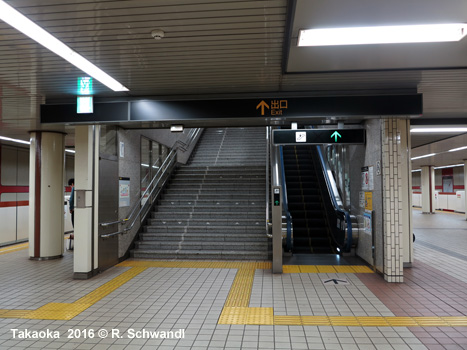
14 140
438 130
416 170
449 166
382 35
84 105
425 156
176 128
17 20
70 151
457 149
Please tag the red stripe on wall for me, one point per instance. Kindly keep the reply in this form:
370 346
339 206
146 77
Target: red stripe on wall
416 187
438 187
37 197
458 187
14 204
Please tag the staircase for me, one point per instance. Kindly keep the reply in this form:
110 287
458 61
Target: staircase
214 208
311 232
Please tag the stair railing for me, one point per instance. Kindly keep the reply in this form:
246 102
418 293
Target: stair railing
268 164
337 202
153 189
278 179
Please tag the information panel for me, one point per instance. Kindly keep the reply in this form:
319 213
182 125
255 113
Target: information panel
319 137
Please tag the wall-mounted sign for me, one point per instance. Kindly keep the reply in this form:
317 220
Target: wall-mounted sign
178 112
84 86
367 224
368 201
367 178
318 136
124 192
84 105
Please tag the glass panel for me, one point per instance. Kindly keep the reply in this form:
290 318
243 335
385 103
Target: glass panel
108 140
145 171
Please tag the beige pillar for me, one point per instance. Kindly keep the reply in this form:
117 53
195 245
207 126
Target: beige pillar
465 186
46 195
428 189
86 201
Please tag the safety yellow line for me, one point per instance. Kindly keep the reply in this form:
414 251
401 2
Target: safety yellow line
66 311
17 247
14 248
236 310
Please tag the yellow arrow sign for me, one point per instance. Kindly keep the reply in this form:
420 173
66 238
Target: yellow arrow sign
262 104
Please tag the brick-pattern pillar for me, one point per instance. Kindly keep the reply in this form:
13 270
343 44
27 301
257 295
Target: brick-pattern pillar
392 201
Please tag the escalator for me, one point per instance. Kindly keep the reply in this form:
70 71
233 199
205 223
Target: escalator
307 206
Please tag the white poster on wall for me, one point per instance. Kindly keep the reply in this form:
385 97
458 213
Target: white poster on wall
361 197
124 192
367 178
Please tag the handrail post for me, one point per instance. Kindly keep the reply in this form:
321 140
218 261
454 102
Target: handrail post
276 214
268 146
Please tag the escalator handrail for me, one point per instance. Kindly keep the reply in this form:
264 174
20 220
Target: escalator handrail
332 195
285 201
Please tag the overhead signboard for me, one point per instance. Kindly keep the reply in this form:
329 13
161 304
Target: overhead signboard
318 136
261 108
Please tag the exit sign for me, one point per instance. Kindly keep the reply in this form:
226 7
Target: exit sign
319 137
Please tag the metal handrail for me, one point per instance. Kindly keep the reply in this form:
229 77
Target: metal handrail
104 224
268 146
335 197
168 163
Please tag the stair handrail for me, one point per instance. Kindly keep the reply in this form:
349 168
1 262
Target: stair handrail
335 197
165 168
268 147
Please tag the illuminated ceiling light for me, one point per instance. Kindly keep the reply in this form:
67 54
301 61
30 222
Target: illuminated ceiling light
382 35
416 170
70 151
457 149
14 140
17 20
432 130
449 166
425 156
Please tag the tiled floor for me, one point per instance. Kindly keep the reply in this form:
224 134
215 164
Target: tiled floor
243 305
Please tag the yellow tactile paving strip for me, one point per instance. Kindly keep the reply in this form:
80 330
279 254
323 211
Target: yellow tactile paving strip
13 248
236 310
66 311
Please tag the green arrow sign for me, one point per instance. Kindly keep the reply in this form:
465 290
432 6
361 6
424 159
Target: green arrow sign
335 135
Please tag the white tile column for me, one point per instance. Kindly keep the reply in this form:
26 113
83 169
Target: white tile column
86 201
428 189
396 197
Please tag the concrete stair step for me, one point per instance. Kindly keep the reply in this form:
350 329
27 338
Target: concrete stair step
206 215
252 229
217 191
202 245
206 236
200 255
205 222
220 202
258 211
214 197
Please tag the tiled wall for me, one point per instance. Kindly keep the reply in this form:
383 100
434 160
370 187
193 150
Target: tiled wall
393 200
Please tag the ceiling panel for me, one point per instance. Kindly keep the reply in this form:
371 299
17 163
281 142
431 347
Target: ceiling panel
214 49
